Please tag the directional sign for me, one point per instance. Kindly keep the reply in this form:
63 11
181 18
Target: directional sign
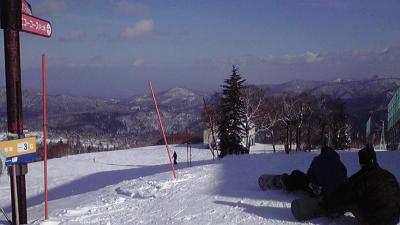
26 7
18 147
19 151
21 159
35 25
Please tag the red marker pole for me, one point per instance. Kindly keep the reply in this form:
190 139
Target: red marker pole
162 128
46 199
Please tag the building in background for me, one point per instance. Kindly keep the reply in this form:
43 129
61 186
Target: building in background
208 138
369 135
393 122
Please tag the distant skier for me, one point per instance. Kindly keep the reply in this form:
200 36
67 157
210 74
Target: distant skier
372 194
175 158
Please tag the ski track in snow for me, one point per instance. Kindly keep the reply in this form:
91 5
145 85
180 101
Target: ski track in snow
136 187
138 199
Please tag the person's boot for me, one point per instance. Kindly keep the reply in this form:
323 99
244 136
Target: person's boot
285 181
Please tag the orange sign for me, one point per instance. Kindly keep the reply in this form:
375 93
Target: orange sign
18 147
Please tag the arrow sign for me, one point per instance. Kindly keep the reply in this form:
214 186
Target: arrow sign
35 25
26 7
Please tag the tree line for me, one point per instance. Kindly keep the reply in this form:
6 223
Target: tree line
300 121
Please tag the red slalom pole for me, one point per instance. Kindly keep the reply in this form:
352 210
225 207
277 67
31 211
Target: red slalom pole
46 198
162 128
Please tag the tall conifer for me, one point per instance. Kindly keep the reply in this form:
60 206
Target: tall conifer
230 125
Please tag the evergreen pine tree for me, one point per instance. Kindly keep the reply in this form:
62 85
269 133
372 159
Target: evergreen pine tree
230 125
339 128
344 137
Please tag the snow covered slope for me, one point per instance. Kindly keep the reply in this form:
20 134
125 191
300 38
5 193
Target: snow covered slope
136 186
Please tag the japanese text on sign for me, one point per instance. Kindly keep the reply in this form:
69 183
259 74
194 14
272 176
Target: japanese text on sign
18 147
35 25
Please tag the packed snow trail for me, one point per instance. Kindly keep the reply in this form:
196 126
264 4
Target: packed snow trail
136 187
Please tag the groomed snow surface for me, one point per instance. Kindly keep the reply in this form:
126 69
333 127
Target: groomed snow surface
136 186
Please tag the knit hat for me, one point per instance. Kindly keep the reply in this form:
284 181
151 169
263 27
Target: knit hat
367 155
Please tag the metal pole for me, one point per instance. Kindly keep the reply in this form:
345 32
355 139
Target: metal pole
162 128
190 149
46 202
187 147
15 195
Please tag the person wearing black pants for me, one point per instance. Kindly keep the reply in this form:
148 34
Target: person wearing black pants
325 174
175 158
372 194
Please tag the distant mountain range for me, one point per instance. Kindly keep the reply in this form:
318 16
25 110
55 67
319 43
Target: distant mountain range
339 88
132 122
363 98
128 122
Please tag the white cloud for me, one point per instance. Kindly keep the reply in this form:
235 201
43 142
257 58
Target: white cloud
312 57
49 7
72 36
288 59
138 62
141 27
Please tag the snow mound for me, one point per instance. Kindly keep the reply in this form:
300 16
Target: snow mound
95 213
50 222
76 212
145 189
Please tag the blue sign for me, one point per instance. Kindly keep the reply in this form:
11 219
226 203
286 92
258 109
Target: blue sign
21 159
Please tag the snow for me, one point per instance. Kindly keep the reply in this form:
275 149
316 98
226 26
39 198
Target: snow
136 186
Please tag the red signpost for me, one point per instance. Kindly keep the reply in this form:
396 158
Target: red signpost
162 128
16 16
46 199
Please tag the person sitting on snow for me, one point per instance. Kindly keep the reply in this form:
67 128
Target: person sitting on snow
372 194
325 174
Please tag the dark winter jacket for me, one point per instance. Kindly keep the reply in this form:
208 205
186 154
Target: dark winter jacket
374 191
327 171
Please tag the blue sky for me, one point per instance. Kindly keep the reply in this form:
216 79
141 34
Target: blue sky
112 47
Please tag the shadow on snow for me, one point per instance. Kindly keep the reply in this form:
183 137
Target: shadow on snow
100 180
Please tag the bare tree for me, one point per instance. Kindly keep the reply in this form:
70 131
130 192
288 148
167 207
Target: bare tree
269 116
289 116
210 118
333 122
310 116
253 98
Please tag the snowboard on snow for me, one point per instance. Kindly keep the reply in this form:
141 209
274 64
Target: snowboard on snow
306 208
270 182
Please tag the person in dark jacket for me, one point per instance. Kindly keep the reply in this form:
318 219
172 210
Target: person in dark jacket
372 194
325 174
175 157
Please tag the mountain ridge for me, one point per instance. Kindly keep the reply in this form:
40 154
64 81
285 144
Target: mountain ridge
133 119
